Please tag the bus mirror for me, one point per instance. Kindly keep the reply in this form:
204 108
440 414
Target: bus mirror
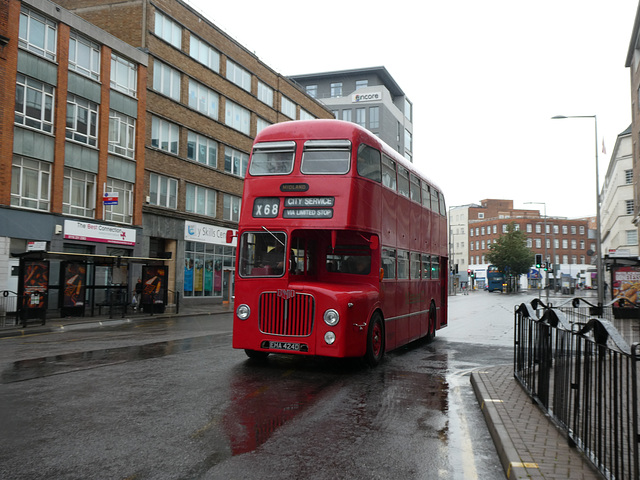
230 236
374 243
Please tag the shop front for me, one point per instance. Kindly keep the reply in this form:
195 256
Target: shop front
209 262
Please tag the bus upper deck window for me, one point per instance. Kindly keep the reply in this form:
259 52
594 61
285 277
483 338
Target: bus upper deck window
272 158
326 157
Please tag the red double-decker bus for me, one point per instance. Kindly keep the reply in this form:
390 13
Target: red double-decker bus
342 246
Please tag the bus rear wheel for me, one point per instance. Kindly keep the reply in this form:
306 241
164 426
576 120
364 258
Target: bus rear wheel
375 341
433 317
256 355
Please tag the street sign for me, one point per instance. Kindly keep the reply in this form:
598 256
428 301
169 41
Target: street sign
110 198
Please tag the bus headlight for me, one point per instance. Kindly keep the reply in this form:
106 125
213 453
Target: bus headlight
329 337
243 312
331 317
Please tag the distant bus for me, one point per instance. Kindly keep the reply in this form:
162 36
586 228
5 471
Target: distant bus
495 278
342 246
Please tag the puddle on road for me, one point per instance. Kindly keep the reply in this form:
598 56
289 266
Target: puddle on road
22 370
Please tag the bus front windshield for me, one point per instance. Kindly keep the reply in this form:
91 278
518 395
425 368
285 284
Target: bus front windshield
262 254
272 158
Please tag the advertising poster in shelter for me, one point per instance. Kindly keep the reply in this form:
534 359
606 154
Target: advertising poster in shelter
626 285
34 288
154 280
75 281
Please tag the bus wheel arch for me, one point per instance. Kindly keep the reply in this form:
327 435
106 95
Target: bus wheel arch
375 340
256 355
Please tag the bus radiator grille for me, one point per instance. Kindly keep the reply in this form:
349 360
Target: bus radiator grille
286 316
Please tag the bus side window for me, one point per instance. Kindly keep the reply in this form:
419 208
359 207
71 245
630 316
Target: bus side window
389 262
388 173
369 163
443 208
426 195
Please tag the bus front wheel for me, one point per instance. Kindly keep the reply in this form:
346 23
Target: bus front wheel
375 341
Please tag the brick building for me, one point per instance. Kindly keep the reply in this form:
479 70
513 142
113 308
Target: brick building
208 97
565 242
73 108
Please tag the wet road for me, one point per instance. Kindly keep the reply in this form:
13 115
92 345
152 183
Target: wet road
172 399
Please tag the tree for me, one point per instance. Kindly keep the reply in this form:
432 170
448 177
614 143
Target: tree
510 253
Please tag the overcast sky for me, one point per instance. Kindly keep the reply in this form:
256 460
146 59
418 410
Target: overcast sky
485 78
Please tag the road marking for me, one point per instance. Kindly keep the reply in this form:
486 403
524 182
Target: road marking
520 465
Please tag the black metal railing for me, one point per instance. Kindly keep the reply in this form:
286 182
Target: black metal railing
584 374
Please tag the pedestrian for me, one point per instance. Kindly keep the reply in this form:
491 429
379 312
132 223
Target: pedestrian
138 295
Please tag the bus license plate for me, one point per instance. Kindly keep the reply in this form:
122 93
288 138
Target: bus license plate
284 346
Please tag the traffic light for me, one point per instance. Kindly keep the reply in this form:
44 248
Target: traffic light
538 260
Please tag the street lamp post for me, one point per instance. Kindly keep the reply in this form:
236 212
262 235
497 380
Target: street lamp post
546 258
598 235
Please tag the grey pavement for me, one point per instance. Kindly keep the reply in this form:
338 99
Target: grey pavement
528 443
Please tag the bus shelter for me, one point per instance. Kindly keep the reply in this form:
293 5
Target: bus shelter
85 284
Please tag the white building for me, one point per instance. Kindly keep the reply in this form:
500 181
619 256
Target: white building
619 234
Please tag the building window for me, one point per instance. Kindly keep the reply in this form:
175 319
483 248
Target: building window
374 117
529 228
235 162
565 229
481 215
34 104
346 115
574 244
628 177
304 115
361 117
573 229
202 149
362 84
231 210
582 230
408 110
124 76
237 117
632 237
37 34
163 191
261 124
203 99
79 193
312 90
408 140
288 108
629 207
204 53
238 75
122 134
565 244
82 120
166 80
203 268
84 56
30 183
123 211
336 90
265 93
168 30
200 200
164 135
